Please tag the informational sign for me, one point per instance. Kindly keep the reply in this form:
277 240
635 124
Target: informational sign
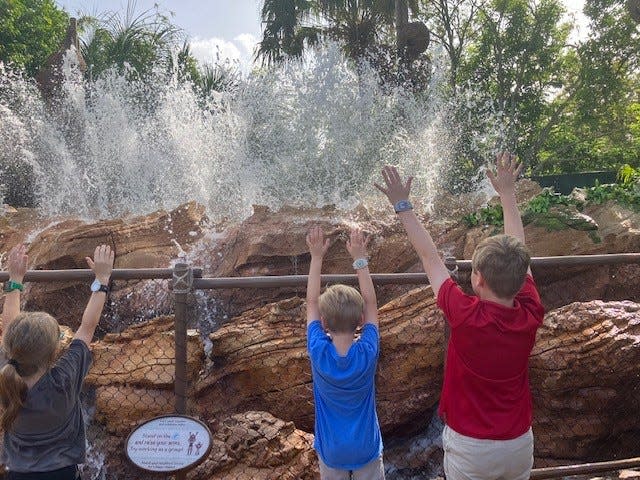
170 443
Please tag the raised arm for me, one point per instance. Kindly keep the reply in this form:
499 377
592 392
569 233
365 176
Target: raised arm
504 182
17 267
357 247
398 194
102 265
318 246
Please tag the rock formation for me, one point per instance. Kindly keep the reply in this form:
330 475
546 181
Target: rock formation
584 370
150 241
585 376
51 76
256 445
133 373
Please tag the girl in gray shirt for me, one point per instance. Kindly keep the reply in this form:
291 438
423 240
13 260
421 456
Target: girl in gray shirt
44 433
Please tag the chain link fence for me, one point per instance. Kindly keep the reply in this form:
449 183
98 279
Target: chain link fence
164 346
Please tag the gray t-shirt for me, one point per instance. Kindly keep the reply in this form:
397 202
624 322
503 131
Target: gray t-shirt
49 432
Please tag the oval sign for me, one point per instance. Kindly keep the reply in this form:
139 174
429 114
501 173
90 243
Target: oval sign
170 443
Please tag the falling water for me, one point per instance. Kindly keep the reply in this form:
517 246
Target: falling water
310 133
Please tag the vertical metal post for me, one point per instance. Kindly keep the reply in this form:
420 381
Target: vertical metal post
182 283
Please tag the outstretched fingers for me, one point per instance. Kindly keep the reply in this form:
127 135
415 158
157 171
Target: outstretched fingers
316 241
102 261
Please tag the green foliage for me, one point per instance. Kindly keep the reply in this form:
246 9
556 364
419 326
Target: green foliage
133 43
30 31
516 61
628 176
596 121
542 202
490 215
625 192
625 195
362 26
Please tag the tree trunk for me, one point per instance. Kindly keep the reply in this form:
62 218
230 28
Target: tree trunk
402 20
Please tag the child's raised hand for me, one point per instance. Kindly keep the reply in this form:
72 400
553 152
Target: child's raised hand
316 242
357 244
102 263
508 167
395 189
17 263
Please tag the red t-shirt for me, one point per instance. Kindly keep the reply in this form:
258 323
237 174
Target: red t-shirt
486 380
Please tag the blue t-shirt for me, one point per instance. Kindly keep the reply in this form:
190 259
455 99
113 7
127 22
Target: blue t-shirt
347 433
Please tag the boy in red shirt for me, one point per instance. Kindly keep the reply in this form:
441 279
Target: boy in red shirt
486 401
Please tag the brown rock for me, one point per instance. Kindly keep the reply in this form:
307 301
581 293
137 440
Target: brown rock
273 243
143 355
150 241
120 408
51 76
17 224
134 373
256 445
260 362
585 377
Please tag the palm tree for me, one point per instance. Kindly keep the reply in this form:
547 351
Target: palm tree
292 25
134 42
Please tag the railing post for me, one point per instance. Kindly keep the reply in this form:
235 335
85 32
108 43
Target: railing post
182 283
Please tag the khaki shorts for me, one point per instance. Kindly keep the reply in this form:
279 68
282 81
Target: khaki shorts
374 470
467 458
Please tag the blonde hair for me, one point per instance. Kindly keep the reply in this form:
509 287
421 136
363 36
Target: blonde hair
341 307
503 261
30 342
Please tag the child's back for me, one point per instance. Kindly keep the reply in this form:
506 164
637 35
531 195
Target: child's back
485 401
347 430
486 383
347 434
44 433
53 401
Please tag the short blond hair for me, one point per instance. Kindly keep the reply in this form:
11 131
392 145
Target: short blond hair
341 307
503 261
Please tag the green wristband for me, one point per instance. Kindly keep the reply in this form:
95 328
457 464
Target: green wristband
10 286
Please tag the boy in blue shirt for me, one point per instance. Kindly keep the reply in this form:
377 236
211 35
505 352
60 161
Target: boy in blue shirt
347 433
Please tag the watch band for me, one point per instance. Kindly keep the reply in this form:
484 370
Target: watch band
96 286
402 206
10 286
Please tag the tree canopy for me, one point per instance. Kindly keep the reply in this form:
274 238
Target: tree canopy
30 31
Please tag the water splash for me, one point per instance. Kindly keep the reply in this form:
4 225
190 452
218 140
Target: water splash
310 133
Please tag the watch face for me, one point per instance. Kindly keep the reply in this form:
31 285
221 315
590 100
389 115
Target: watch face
360 263
95 286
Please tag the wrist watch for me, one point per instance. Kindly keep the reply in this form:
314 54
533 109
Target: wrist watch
359 263
10 286
402 206
96 286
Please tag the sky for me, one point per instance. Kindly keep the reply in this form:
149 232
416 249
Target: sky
228 28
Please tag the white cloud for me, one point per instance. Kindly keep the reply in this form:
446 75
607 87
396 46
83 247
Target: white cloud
247 41
214 50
